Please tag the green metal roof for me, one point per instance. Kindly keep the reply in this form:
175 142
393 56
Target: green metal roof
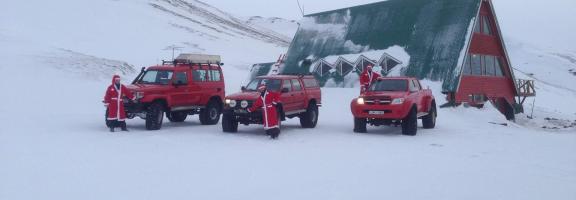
260 69
434 33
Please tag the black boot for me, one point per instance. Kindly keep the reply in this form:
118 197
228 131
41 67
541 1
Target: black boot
112 129
274 133
123 126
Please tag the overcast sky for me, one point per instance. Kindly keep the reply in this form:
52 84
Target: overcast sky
549 23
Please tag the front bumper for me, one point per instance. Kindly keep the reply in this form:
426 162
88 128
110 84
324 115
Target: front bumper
389 112
242 116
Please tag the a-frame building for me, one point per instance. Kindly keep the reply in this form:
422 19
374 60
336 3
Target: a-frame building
458 42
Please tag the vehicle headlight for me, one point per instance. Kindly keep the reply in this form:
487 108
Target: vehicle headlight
231 103
398 101
360 101
244 104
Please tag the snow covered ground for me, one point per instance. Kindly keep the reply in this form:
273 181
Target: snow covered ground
54 145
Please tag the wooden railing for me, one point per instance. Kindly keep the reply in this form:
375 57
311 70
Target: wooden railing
526 88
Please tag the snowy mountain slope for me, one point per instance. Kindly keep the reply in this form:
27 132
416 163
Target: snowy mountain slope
279 25
137 32
555 92
217 20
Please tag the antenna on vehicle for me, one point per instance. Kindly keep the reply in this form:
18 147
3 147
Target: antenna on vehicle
301 7
173 48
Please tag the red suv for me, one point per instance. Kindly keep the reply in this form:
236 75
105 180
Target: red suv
300 97
395 101
191 84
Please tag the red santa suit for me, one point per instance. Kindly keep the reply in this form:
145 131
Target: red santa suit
267 103
114 100
367 78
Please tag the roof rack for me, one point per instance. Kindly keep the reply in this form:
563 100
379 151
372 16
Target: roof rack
194 59
297 74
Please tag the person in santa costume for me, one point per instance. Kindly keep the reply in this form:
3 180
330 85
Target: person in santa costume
367 78
114 102
267 102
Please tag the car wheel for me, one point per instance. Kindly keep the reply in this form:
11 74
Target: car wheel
177 116
429 121
154 117
309 119
229 123
211 114
360 125
410 123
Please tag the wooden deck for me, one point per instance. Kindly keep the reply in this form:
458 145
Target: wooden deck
525 89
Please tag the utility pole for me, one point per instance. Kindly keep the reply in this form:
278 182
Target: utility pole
173 48
300 7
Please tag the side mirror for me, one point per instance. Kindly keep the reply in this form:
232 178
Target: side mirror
285 90
243 88
178 83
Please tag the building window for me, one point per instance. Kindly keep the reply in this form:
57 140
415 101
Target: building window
476 64
482 65
486 28
498 67
483 25
489 65
467 69
477 26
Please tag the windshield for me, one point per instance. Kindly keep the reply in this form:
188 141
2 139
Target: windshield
272 84
390 85
160 77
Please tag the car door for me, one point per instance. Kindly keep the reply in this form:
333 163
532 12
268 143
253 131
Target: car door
417 95
287 97
179 88
299 95
199 79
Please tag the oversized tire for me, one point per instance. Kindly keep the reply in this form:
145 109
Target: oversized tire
429 121
229 123
410 123
309 119
179 116
360 125
154 116
211 114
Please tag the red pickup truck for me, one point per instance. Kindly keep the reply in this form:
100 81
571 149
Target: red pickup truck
395 101
300 97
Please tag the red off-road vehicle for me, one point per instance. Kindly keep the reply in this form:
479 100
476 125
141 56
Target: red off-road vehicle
395 101
191 84
300 97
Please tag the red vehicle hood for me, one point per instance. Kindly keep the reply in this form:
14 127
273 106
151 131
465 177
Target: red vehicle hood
244 96
144 87
392 95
